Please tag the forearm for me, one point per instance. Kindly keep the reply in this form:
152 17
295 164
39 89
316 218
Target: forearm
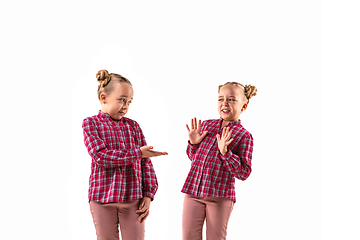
237 168
149 180
190 150
115 158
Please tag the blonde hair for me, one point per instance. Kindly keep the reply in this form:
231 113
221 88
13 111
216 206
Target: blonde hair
106 81
249 90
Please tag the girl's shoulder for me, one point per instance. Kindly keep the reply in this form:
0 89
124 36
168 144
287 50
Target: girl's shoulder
211 122
91 119
241 132
210 125
130 122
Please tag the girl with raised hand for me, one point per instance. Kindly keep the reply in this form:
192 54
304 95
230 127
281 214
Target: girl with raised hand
122 181
220 151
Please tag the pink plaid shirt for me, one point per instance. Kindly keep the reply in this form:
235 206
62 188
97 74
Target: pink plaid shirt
118 172
211 173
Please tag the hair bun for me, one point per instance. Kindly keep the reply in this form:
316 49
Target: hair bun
103 77
250 91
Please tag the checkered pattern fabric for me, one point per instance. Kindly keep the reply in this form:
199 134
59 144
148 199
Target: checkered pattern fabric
213 174
118 172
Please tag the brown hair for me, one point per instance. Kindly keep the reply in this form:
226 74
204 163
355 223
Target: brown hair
106 79
249 90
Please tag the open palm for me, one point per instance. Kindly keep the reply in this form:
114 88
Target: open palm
194 133
224 141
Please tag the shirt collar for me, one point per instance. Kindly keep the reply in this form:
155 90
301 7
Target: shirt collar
107 117
233 123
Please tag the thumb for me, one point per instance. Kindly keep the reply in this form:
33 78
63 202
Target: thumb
146 148
228 143
203 135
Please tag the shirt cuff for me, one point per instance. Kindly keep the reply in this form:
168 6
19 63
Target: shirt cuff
227 155
138 154
193 145
149 194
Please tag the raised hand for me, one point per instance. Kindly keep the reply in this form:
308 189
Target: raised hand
146 152
224 141
194 133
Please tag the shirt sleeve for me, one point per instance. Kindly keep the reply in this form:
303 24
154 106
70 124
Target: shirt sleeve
149 180
240 165
101 155
190 150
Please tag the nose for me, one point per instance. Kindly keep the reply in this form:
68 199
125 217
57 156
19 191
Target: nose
126 105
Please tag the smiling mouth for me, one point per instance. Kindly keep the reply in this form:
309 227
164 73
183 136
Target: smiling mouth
225 111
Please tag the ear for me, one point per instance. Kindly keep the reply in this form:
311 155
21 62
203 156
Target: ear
244 107
102 98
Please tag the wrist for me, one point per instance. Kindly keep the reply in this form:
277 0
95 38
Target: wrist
224 152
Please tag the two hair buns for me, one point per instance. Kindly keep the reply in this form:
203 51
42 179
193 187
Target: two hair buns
103 77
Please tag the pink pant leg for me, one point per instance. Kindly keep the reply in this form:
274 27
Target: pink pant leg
131 228
218 211
108 216
193 218
105 219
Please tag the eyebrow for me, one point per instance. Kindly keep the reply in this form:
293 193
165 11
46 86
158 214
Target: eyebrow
229 96
124 96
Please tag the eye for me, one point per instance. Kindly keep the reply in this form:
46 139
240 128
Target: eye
220 99
121 100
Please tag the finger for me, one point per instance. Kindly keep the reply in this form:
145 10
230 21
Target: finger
140 211
153 155
218 137
156 152
142 203
195 123
140 218
147 148
187 126
142 206
223 132
228 142
199 124
228 136
146 216
192 124
203 135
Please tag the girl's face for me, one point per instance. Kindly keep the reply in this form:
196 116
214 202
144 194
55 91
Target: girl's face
231 103
116 104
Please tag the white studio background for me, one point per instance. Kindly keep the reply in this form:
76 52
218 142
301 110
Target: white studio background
176 53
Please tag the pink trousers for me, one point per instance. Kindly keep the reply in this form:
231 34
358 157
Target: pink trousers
216 210
108 216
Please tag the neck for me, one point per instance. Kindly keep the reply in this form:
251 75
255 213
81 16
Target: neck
115 120
224 123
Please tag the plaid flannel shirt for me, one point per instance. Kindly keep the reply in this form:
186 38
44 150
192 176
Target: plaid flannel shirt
118 172
213 174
